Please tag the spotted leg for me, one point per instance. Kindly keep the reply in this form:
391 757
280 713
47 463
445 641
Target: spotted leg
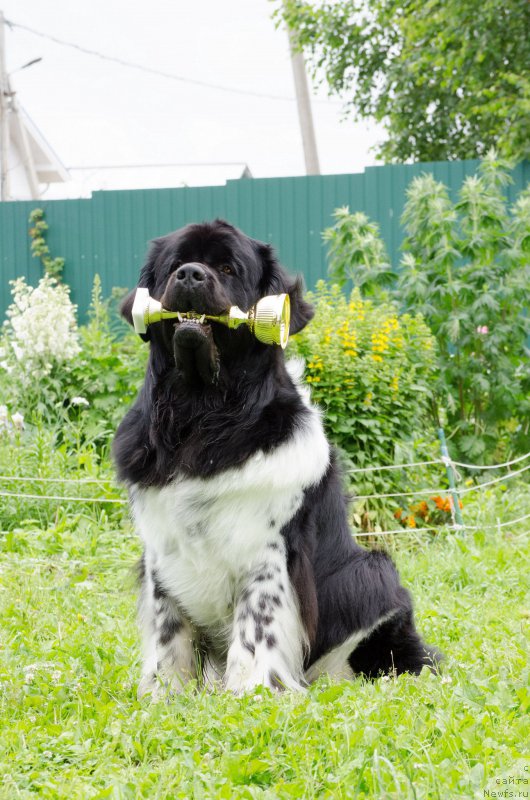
169 653
268 639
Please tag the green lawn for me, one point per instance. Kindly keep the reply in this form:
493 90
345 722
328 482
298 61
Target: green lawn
72 727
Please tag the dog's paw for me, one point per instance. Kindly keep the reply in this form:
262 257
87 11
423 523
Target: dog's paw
157 688
241 683
147 686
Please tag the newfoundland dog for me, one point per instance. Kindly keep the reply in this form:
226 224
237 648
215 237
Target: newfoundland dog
250 575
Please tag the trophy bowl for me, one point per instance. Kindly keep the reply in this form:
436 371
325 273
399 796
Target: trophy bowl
270 319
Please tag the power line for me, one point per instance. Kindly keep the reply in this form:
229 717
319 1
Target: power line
150 70
169 164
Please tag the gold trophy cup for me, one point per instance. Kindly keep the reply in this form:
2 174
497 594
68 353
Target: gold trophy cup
268 320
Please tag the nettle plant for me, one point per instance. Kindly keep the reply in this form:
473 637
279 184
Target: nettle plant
371 371
466 269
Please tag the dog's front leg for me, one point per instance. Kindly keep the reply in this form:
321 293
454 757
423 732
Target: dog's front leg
169 652
268 639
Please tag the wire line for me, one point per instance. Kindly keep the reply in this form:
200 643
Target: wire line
413 493
99 481
394 466
492 466
453 528
500 479
63 497
160 73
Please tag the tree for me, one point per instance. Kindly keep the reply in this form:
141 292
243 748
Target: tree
447 78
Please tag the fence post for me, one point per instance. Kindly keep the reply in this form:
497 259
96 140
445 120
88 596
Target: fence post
451 478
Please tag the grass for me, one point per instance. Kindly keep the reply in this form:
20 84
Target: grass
71 726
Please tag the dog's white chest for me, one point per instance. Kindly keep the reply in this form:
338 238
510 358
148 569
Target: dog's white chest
205 535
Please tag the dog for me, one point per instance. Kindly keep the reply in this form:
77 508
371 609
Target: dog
250 574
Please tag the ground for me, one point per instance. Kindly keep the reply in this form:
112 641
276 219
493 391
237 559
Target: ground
71 726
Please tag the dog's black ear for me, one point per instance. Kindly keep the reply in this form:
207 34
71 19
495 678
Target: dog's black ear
146 280
276 281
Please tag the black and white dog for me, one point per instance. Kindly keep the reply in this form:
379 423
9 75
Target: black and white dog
250 574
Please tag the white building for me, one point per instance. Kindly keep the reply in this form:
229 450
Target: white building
32 165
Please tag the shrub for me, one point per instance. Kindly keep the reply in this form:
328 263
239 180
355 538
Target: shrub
79 381
466 269
371 371
108 373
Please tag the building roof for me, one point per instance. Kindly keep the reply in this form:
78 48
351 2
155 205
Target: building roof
48 166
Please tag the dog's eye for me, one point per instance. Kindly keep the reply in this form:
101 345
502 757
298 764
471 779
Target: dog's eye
227 269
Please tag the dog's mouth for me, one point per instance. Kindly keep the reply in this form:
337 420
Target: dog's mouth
194 349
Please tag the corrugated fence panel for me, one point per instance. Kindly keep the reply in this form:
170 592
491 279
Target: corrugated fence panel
109 233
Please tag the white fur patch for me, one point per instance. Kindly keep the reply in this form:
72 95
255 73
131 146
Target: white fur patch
335 663
207 536
296 368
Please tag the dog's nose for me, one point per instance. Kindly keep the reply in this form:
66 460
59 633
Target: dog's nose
190 274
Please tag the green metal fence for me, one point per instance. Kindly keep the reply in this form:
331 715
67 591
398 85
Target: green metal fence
108 234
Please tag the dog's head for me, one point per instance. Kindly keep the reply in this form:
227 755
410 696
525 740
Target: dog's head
207 268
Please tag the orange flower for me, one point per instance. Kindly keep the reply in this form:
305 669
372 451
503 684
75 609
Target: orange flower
423 508
411 522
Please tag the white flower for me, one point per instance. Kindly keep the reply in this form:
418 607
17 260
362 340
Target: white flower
41 329
18 420
79 401
5 422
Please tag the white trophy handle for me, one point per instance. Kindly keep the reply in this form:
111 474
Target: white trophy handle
140 305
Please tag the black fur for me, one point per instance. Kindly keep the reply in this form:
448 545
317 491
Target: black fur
214 397
182 423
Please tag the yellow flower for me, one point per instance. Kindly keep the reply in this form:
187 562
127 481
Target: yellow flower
379 342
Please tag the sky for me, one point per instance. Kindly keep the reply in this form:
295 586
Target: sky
94 112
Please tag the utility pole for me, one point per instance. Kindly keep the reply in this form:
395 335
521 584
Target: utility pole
303 101
4 111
